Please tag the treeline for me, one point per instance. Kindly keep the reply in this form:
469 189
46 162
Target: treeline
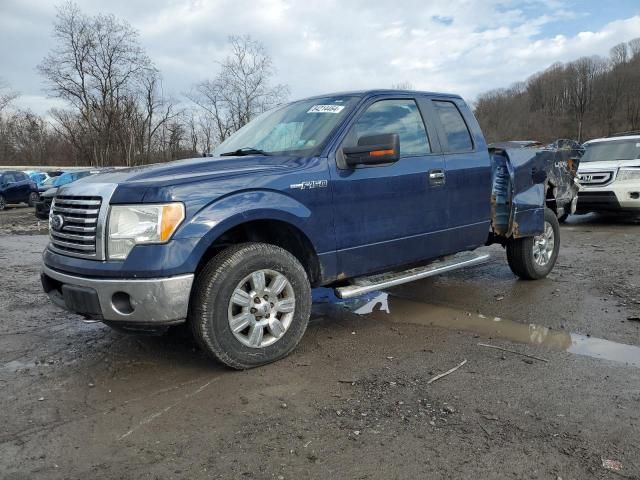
116 111
587 98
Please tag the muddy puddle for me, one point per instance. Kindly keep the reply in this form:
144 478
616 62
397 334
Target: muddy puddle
386 307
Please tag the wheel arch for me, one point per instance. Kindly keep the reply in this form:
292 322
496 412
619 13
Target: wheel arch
272 231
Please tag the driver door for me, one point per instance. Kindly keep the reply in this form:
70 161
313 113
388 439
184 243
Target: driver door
393 214
10 188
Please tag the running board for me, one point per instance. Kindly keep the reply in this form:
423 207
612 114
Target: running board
371 283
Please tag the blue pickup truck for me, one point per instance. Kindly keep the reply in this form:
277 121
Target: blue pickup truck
356 191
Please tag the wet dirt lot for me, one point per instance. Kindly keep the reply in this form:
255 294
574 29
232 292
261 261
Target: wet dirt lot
353 401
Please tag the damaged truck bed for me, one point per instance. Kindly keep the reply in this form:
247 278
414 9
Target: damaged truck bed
524 181
560 164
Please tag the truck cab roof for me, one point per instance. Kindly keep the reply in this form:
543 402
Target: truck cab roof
383 91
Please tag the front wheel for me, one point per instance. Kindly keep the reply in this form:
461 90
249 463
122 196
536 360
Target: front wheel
532 258
251 305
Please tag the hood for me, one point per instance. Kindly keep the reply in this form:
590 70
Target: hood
192 169
50 193
607 165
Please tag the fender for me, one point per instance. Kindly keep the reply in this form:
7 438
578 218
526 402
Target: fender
223 214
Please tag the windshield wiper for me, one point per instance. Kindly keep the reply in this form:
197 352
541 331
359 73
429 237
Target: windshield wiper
244 151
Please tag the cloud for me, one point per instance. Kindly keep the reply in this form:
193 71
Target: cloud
321 46
442 20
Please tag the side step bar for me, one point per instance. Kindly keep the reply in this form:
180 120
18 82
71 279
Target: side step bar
363 285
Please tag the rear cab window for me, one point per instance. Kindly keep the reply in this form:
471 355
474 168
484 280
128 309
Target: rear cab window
456 132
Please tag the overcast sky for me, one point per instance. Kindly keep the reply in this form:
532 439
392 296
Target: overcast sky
461 46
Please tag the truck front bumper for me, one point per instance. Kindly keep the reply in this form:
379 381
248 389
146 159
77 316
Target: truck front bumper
150 301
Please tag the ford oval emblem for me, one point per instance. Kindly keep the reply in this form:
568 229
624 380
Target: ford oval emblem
56 222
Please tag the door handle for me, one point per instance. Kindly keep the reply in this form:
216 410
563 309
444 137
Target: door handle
437 177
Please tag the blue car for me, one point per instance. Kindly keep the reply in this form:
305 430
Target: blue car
49 187
16 187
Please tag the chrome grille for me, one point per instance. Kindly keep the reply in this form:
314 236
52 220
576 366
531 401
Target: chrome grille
74 231
595 178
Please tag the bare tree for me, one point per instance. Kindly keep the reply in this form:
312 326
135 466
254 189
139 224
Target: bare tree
157 110
111 86
7 95
241 90
634 47
586 98
619 54
580 80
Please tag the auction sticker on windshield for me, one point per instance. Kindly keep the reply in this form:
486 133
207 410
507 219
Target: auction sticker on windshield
326 109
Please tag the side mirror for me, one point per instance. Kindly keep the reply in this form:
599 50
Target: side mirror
374 150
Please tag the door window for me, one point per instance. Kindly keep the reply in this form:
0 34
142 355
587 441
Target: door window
9 178
455 128
393 116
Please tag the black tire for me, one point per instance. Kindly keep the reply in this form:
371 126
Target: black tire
33 198
210 304
3 203
520 252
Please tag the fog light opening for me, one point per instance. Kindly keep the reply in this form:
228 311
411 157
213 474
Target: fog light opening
121 303
634 195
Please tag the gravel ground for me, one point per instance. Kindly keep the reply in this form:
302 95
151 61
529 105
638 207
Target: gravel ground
353 401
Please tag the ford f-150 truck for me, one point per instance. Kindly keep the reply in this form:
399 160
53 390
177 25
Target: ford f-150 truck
357 191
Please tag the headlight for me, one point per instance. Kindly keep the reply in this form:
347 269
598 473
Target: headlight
131 225
628 174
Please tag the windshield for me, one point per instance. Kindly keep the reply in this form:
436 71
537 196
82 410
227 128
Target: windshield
298 128
611 151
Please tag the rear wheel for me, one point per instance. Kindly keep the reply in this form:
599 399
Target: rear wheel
3 203
33 198
251 305
532 258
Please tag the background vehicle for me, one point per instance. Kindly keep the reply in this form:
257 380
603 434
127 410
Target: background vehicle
16 187
610 175
49 188
357 191
40 177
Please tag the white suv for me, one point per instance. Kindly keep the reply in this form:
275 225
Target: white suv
609 175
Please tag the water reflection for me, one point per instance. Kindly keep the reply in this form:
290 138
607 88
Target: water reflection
386 307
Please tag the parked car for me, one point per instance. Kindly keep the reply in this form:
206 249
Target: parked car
39 177
52 180
49 188
16 187
562 158
356 191
610 175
